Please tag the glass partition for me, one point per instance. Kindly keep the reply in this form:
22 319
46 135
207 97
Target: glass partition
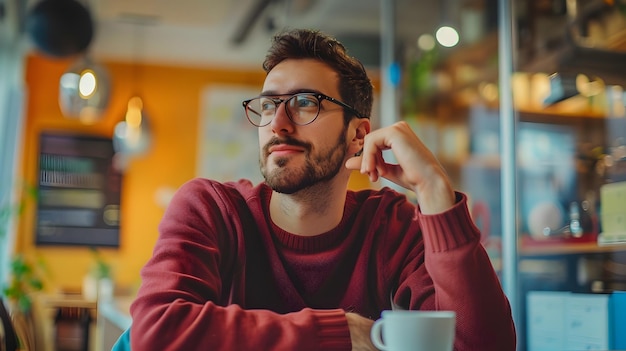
567 86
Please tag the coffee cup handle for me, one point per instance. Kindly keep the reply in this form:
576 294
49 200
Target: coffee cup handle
375 335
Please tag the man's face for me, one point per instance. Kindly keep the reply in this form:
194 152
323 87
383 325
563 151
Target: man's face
294 157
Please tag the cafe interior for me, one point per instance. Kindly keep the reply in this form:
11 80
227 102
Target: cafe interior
108 106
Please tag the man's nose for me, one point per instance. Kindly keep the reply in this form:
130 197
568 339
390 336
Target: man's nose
281 120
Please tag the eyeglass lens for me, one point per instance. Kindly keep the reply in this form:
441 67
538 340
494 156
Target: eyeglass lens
301 109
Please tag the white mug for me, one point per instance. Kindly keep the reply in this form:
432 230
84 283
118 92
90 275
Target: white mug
414 331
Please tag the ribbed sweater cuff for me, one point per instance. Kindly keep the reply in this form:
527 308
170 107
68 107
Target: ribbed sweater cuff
450 229
333 330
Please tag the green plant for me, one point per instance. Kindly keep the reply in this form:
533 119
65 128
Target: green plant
9 210
25 279
419 80
101 269
24 276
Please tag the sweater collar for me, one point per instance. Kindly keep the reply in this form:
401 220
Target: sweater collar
309 244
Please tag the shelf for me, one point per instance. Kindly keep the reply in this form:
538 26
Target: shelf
553 112
552 249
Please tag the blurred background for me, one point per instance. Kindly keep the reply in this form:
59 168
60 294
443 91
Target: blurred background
108 106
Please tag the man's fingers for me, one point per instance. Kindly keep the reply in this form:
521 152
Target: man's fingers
354 163
395 174
379 168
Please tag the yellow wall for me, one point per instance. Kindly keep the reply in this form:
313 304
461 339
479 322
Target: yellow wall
171 100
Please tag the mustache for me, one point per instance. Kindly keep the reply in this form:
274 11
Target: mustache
285 141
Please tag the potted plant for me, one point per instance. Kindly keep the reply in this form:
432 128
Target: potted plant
24 277
98 283
25 280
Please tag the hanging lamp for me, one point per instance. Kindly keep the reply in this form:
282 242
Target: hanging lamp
60 28
84 90
132 136
446 35
65 28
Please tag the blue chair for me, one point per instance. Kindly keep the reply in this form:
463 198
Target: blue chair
123 342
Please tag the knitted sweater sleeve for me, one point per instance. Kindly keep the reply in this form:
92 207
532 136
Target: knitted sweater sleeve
182 303
455 273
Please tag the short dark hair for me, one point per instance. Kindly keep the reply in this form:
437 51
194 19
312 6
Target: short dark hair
355 86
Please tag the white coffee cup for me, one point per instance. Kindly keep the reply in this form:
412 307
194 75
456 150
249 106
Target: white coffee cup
414 331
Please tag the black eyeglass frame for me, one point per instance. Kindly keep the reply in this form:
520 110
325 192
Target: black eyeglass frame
278 101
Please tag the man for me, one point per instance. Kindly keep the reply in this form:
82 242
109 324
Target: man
299 262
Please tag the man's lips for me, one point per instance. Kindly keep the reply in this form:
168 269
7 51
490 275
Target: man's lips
284 149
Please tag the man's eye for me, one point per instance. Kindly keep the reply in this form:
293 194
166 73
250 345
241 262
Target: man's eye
305 101
267 105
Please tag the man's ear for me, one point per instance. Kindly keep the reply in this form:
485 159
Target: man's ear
362 128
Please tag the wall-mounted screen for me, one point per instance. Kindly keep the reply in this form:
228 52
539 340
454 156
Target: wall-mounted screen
78 191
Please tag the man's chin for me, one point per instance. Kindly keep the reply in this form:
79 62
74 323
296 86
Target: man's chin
283 188
284 181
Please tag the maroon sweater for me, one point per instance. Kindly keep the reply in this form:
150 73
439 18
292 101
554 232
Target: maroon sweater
224 277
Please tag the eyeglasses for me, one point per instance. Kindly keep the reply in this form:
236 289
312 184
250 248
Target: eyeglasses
302 108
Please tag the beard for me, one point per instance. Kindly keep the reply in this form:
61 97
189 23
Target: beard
319 167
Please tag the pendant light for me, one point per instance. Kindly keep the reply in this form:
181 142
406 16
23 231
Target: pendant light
84 90
446 34
132 136
60 28
65 28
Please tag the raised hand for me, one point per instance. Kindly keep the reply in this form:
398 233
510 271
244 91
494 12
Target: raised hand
417 169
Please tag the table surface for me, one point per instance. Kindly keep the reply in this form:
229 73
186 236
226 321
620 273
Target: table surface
69 300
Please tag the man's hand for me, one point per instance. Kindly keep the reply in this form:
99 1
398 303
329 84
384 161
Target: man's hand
417 169
360 332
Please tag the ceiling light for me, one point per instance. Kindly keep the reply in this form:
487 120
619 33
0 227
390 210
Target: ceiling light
87 84
132 136
60 28
426 42
447 36
84 91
